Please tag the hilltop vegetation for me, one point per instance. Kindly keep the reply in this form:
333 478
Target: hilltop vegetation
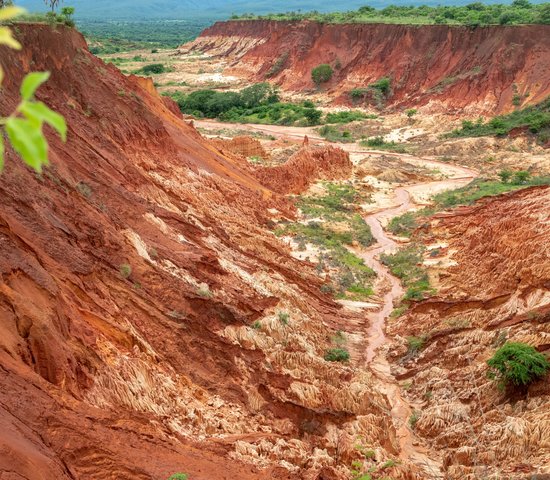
473 14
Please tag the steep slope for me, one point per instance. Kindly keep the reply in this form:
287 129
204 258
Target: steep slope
491 268
141 302
441 67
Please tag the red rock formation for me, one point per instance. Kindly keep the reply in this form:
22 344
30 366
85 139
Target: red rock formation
493 286
446 68
242 145
131 273
304 167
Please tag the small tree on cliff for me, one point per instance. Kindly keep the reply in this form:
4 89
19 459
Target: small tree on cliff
517 364
322 74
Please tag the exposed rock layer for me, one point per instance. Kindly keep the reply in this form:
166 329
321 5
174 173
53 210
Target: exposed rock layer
446 68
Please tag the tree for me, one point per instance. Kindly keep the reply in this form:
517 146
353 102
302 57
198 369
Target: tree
322 73
505 176
521 177
517 364
24 126
313 116
544 14
53 4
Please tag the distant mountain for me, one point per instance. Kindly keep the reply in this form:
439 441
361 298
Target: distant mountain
212 9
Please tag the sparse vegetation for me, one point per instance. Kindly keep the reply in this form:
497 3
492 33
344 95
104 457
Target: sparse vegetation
517 364
380 144
278 66
284 317
534 119
125 270
406 264
413 419
337 355
204 291
415 345
346 116
153 69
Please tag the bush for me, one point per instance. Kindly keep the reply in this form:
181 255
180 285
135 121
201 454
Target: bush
153 68
337 355
125 270
178 476
383 86
517 364
322 74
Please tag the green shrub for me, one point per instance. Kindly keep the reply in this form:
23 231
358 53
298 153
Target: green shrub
344 117
415 345
125 270
337 355
517 364
153 68
322 74
383 86
413 419
284 317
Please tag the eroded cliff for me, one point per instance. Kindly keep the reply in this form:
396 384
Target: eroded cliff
442 68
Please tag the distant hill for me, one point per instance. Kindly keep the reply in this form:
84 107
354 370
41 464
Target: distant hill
211 9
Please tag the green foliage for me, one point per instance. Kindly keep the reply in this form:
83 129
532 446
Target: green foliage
153 68
125 270
108 37
256 104
24 127
517 364
535 119
411 112
415 345
257 325
284 317
337 355
413 419
333 134
322 73
403 225
505 176
179 476
406 264
345 117
383 85
472 15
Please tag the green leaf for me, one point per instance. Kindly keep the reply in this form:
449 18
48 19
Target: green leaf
1 152
28 141
31 83
42 113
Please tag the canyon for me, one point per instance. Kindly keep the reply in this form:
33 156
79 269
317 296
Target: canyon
153 323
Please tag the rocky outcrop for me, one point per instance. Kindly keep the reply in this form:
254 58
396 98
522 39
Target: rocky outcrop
438 67
491 267
242 145
304 167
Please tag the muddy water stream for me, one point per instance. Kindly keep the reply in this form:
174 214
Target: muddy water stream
410 446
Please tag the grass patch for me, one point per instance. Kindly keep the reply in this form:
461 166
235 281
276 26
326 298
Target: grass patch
406 264
333 134
535 119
